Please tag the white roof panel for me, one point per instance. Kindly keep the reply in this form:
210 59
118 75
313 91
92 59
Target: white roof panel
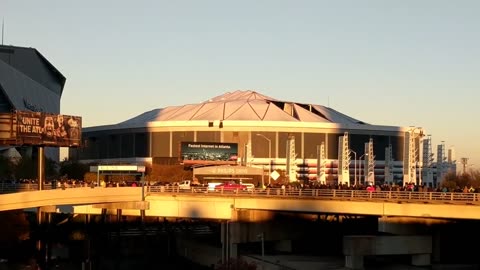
243 105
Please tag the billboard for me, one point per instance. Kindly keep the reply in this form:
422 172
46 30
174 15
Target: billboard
39 128
208 153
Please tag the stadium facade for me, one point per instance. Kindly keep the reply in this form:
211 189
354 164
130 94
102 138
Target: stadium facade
29 82
299 141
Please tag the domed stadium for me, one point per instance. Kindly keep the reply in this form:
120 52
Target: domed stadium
245 132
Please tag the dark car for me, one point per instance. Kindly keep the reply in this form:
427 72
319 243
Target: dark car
230 185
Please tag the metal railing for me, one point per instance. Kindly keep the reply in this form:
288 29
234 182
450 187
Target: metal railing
325 194
331 194
24 187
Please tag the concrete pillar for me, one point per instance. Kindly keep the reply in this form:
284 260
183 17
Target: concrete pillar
233 251
355 246
119 215
104 215
283 245
421 259
354 261
225 239
142 216
436 245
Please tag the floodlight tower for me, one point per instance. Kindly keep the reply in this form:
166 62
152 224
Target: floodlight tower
291 159
343 159
410 154
427 161
388 171
441 160
321 163
464 162
370 162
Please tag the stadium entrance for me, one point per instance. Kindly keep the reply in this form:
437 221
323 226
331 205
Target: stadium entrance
229 173
118 170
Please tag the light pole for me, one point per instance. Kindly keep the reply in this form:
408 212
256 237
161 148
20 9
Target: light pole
269 157
354 166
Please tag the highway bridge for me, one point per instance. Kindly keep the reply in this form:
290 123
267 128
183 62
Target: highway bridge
203 203
245 214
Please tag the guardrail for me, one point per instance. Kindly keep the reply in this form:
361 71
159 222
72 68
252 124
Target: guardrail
332 194
326 194
12 188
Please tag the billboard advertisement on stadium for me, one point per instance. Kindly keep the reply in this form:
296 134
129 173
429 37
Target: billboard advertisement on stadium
208 153
39 128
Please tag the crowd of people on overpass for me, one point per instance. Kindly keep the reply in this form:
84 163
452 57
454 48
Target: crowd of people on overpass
378 187
72 183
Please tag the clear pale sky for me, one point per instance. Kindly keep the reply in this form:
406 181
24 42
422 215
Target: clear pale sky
398 63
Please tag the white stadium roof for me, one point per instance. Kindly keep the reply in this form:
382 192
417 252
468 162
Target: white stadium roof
244 106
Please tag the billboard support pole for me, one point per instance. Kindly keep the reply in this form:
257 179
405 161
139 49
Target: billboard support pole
143 186
98 176
41 167
40 177
142 212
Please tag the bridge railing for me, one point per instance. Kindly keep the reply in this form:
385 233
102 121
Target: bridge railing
20 187
407 196
23 187
333 194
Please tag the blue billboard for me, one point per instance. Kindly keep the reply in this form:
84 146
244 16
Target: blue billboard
208 153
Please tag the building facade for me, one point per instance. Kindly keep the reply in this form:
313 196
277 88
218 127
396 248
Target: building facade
29 82
305 142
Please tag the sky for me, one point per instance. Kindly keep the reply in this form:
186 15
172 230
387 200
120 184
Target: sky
396 63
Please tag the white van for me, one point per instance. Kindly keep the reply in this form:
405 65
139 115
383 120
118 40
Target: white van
185 184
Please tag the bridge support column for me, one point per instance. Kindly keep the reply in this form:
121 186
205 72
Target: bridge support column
39 245
225 239
142 216
436 245
43 249
354 261
233 250
104 215
87 264
119 215
229 247
421 259
357 246
283 245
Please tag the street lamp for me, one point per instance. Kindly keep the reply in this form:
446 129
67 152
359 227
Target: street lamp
269 157
354 165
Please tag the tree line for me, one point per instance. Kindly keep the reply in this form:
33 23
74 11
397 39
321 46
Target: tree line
27 168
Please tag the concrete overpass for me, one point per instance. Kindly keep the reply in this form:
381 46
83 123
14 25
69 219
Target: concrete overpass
201 203
246 214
